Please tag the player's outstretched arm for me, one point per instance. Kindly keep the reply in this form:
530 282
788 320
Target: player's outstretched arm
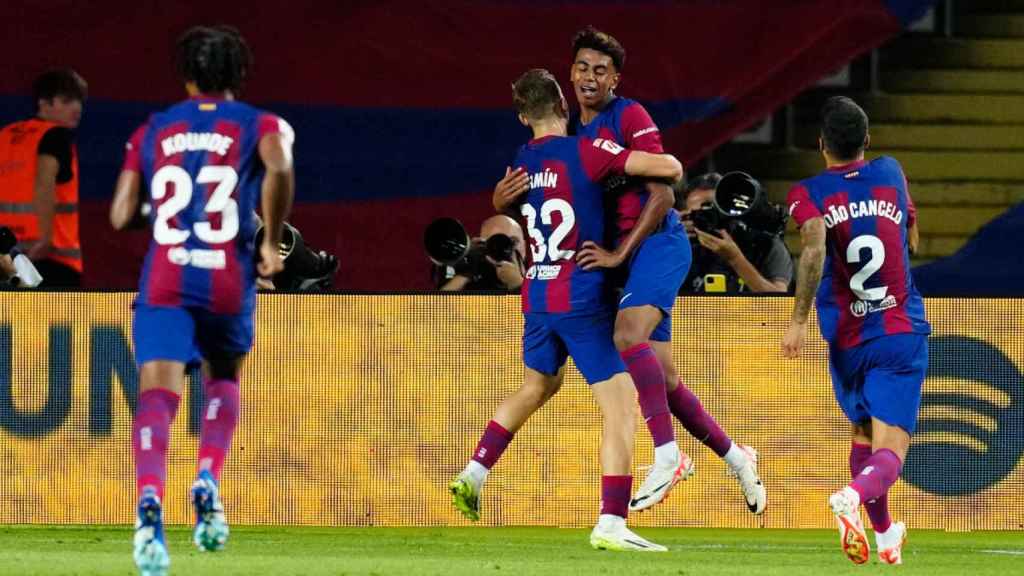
277 193
812 260
126 199
649 165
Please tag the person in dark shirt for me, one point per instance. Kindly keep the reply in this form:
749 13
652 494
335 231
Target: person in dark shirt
719 264
39 178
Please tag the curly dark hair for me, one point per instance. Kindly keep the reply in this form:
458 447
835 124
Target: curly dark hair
215 58
59 82
844 127
602 42
536 94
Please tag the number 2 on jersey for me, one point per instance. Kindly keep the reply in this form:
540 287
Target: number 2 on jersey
551 247
225 179
874 264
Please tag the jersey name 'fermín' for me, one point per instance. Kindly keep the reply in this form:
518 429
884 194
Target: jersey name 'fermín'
866 288
200 167
564 208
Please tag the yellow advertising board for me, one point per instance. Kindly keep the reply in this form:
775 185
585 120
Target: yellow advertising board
357 410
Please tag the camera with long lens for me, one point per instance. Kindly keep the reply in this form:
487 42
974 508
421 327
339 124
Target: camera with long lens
449 245
305 270
741 208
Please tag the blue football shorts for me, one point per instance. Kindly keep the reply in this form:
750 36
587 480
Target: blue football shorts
188 334
549 339
656 273
881 378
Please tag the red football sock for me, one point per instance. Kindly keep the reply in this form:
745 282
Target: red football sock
151 427
650 387
220 418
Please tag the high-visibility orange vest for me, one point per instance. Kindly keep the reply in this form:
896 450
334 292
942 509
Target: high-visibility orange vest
19 157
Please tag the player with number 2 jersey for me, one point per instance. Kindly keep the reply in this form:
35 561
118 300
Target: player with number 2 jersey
855 221
205 164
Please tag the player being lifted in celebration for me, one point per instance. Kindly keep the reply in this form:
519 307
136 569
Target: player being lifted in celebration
652 246
205 164
854 220
568 310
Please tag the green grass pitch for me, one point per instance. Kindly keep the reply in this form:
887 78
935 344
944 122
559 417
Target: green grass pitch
106 550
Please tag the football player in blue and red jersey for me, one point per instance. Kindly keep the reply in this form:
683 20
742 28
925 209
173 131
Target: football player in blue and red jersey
855 221
205 164
653 252
568 311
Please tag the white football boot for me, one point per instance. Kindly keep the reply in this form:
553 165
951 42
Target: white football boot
845 505
890 543
754 493
611 533
660 479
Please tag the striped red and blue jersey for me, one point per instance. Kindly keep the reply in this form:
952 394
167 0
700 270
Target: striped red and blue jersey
866 289
200 167
627 123
564 208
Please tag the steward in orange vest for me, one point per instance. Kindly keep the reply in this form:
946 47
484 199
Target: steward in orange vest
39 179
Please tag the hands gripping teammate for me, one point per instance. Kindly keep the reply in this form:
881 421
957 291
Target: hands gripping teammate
653 244
856 220
567 310
204 163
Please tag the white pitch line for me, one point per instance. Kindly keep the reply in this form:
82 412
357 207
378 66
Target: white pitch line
1009 552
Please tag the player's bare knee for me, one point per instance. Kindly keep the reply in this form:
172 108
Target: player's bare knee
628 335
633 326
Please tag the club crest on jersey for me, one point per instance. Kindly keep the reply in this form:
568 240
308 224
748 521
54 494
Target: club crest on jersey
837 214
543 272
861 308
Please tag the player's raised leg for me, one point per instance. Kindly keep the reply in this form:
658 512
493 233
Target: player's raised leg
687 408
220 414
510 416
615 398
160 387
889 535
633 327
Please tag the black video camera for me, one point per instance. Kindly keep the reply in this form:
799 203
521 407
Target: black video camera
448 244
739 207
304 269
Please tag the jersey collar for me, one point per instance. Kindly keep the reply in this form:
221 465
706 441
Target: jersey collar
849 166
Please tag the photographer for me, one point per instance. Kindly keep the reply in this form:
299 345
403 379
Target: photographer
491 261
739 234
